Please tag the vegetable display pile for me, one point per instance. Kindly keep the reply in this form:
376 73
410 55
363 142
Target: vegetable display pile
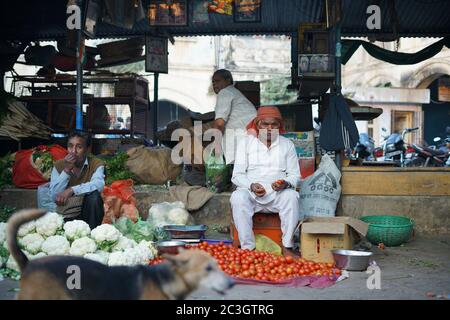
262 266
43 160
116 168
49 235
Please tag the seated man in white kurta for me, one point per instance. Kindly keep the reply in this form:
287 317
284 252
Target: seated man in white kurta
266 173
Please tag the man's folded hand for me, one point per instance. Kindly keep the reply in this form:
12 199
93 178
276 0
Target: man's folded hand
258 189
279 185
61 198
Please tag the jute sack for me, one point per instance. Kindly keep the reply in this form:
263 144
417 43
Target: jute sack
152 165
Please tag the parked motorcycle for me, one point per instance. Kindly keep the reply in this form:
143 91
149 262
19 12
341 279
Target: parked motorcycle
432 156
395 147
364 148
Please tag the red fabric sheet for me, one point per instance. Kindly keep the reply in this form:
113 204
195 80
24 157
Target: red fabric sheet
311 281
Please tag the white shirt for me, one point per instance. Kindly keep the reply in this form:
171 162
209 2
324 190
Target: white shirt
255 163
237 111
59 182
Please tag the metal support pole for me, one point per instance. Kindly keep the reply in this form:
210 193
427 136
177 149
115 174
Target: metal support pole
338 80
294 61
338 58
2 78
155 107
79 94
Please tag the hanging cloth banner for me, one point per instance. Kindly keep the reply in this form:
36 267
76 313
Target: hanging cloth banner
350 46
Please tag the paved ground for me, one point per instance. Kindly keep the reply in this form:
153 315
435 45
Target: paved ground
409 272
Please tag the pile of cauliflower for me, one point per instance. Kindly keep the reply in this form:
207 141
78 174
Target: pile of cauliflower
49 235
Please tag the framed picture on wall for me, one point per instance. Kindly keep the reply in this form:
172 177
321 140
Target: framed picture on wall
167 12
156 54
247 11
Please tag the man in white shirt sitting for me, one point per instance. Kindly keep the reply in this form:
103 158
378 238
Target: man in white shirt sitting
266 173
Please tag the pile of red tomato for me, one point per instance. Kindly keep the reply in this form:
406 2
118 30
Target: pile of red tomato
263 266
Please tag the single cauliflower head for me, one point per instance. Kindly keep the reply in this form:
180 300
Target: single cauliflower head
26 228
129 257
56 245
124 243
49 224
76 229
82 246
32 242
106 236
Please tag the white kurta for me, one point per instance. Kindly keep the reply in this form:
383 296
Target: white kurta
255 163
237 111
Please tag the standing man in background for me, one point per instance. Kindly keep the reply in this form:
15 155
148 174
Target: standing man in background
233 111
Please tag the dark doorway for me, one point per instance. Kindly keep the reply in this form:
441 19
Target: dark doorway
436 113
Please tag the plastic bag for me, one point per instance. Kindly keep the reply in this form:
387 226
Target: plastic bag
217 173
125 226
169 213
44 200
319 193
33 167
266 244
141 230
118 201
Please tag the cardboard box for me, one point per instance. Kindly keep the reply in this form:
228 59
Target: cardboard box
320 235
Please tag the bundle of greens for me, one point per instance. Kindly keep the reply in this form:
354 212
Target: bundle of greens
5 213
116 168
6 163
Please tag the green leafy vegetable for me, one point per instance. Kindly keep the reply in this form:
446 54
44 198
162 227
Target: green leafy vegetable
9 273
116 168
3 252
5 213
6 163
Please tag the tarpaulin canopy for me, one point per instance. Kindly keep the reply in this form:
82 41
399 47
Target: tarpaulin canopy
350 46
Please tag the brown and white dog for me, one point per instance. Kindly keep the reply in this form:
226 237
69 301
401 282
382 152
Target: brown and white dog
51 277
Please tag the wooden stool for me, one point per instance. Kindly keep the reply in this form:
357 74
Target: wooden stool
267 224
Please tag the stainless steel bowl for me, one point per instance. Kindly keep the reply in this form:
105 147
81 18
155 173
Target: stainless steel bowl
351 260
170 247
186 232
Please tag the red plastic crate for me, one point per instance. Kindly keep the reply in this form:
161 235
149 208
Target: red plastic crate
267 224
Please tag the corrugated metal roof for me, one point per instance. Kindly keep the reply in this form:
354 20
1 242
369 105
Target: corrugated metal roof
45 19
415 17
277 17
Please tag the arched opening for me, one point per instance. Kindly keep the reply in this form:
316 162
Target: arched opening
169 111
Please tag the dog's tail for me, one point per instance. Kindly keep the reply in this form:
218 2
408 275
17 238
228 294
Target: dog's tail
14 224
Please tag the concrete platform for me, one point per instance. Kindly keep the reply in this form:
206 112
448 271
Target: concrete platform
430 213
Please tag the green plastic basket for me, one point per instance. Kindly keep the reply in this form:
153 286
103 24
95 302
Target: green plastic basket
390 230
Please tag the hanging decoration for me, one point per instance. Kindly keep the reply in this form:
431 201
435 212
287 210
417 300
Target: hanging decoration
221 7
247 11
167 12
200 11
